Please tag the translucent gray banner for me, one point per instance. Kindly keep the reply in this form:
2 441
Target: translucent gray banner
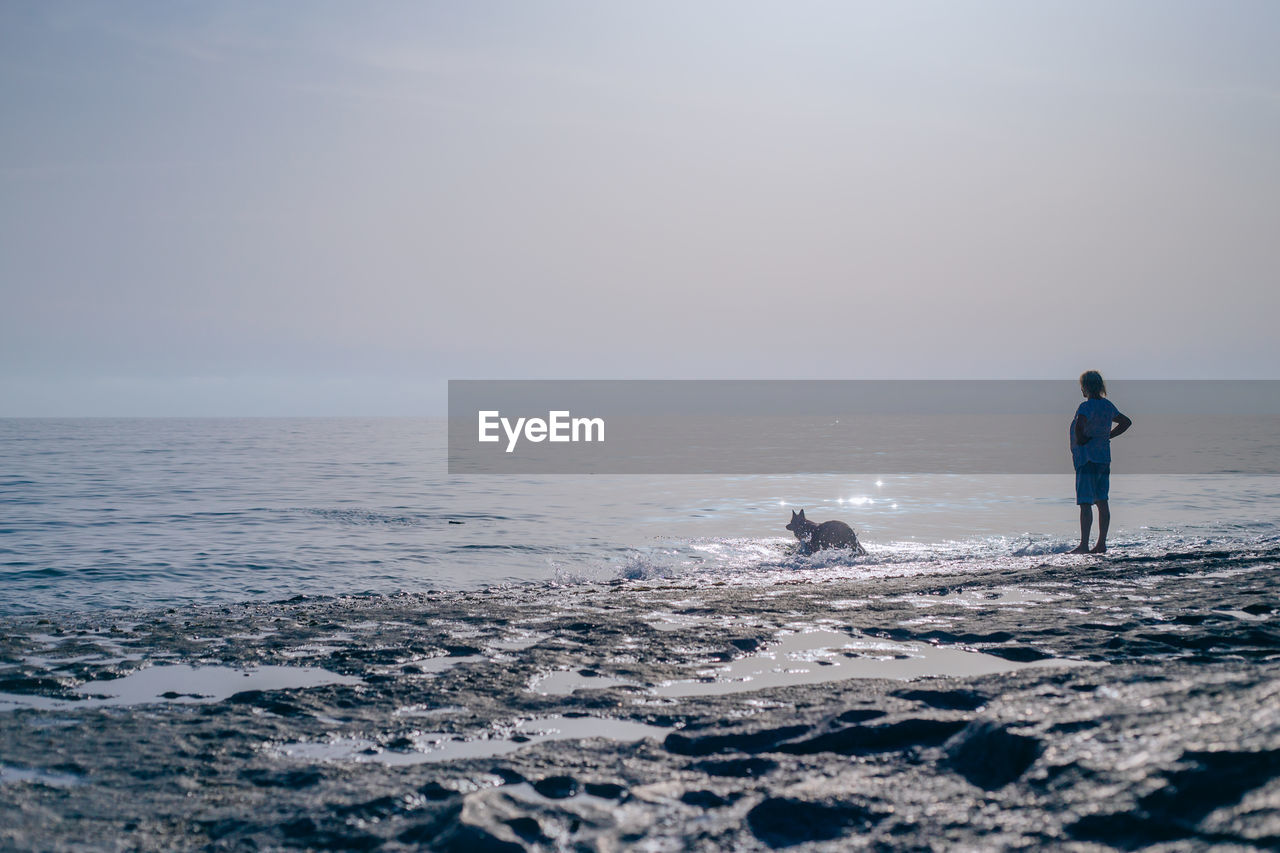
523 427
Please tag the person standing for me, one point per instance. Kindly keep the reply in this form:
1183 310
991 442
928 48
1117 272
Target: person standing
1091 434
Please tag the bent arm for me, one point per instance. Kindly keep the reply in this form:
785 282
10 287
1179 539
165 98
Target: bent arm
1081 438
1122 424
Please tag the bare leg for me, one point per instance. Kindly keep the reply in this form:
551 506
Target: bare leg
1104 521
1086 522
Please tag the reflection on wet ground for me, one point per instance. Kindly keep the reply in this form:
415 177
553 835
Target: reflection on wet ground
815 657
1042 703
180 683
440 746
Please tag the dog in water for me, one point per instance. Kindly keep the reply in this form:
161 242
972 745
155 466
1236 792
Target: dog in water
828 534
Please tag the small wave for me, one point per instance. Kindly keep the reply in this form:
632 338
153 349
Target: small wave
18 569
360 517
777 559
720 557
1043 549
374 518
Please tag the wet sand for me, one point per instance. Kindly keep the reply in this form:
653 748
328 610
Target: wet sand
1075 703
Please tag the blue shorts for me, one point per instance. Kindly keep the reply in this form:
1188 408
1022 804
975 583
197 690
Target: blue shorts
1093 482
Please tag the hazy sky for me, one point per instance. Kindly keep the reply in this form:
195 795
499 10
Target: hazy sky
332 208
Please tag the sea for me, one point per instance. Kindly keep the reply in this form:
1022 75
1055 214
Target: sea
154 512
276 634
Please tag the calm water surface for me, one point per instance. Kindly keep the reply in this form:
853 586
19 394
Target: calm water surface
108 513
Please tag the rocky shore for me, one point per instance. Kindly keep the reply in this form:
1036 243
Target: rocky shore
1040 702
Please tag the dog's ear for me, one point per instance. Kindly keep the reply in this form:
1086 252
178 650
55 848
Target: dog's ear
801 515
793 515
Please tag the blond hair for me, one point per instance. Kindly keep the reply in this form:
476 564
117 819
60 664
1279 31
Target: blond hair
1091 383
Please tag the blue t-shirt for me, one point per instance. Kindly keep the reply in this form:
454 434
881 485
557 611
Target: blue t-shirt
1077 452
1098 415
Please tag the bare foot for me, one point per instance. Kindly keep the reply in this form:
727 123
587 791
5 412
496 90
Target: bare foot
1083 549
1100 548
